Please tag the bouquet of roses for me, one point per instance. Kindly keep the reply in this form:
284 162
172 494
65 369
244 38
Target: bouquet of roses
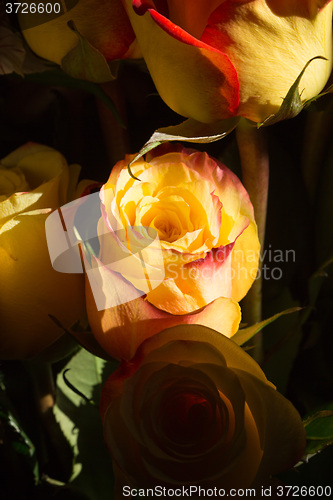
166 286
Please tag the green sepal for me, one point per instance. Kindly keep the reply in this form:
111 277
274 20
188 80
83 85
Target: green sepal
292 104
188 131
329 90
85 62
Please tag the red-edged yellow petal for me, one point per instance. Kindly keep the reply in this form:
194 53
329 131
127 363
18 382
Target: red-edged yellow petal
196 284
269 43
194 79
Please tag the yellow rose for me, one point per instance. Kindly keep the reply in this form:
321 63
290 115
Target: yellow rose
193 409
213 59
206 245
34 181
104 24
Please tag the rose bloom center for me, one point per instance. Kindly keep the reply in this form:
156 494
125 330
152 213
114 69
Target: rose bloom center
187 417
169 216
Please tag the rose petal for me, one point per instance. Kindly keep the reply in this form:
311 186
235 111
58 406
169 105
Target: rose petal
105 25
31 289
184 56
259 56
122 328
192 373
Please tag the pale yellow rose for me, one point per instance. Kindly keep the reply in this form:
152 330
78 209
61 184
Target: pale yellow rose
193 409
34 181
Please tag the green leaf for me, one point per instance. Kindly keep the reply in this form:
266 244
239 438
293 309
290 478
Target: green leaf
82 426
245 334
292 104
83 338
86 62
319 429
188 131
19 441
85 373
314 446
317 471
320 425
74 389
316 281
12 52
19 469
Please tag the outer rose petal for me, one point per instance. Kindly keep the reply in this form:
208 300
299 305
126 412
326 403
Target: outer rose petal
181 66
52 191
191 16
297 7
236 201
196 359
195 284
121 329
266 42
269 58
31 289
103 22
257 396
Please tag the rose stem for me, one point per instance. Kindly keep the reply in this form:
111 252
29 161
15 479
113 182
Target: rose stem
115 137
55 448
317 133
255 176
